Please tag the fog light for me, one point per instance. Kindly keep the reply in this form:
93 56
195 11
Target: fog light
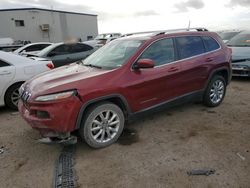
42 114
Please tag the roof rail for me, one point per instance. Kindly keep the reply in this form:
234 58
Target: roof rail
160 32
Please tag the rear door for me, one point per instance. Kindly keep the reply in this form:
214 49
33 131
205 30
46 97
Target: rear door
153 86
191 52
7 73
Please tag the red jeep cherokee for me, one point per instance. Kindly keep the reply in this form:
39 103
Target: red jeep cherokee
128 76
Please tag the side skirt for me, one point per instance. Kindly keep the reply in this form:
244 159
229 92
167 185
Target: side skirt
196 96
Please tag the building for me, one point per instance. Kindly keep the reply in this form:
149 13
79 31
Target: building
40 25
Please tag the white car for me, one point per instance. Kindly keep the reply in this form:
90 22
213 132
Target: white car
32 48
14 71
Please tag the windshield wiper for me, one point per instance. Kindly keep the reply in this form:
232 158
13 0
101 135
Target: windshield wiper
91 65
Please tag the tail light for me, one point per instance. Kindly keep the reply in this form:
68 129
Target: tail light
50 65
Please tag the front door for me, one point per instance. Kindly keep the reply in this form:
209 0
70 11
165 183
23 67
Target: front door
156 85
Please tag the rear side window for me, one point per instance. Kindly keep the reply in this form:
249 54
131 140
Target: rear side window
3 64
36 47
210 43
161 52
77 48
189 46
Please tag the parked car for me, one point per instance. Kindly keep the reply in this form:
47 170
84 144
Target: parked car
14 71
227 35
102 39
32 48
240 45
10 47
127 77
63 53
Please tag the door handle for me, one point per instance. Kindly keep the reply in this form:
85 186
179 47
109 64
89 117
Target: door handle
5 73
209 59
173 69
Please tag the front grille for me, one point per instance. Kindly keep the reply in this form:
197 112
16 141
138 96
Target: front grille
25 95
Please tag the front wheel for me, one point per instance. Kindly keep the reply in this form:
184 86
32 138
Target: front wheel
12 96
103 124
215 91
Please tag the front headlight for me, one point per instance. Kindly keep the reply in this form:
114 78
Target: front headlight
55 96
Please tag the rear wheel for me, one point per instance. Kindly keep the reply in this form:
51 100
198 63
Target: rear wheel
215 91
12 96
103 124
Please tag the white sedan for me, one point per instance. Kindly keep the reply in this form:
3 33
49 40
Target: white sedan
32 48
14 71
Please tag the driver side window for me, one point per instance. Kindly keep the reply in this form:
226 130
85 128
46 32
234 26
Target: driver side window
161 52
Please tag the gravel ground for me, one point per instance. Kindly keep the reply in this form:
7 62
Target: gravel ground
156 151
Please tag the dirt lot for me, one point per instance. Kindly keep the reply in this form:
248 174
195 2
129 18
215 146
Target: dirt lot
158 153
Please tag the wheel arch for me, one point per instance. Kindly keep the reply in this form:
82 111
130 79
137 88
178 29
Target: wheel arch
117 99
15 83
223 71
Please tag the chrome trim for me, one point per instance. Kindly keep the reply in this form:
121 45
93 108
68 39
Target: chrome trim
177 61
25 96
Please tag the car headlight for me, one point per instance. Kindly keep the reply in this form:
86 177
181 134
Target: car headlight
56 96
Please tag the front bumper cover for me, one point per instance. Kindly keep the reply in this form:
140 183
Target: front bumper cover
62 115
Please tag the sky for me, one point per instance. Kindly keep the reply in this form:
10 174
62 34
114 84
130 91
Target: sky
140 15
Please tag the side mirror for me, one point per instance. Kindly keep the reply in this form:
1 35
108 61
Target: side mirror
144 64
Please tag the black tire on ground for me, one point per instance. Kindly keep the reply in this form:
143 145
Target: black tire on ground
94 113
11 92
207 100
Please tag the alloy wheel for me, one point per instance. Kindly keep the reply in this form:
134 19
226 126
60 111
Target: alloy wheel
217 91
105 126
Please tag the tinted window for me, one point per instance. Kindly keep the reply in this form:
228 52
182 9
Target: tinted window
76 48
161 52
36 47
61 50
210 43
189 46
3 64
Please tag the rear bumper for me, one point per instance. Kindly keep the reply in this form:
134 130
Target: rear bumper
61 115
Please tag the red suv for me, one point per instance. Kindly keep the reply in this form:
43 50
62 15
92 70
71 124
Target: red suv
125 78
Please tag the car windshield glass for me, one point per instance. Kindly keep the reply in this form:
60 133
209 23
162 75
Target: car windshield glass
113 54
242 39
227 35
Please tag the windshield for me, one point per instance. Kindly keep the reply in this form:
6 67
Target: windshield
113 54
228 35
242 39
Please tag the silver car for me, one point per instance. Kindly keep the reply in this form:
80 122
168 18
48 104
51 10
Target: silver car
240 45
64 53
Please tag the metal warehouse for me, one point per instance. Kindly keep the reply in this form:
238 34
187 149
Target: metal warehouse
38 25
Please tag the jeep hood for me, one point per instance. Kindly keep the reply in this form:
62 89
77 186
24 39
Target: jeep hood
61 79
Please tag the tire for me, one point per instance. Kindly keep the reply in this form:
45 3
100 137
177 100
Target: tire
215 91
100 131
12 96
